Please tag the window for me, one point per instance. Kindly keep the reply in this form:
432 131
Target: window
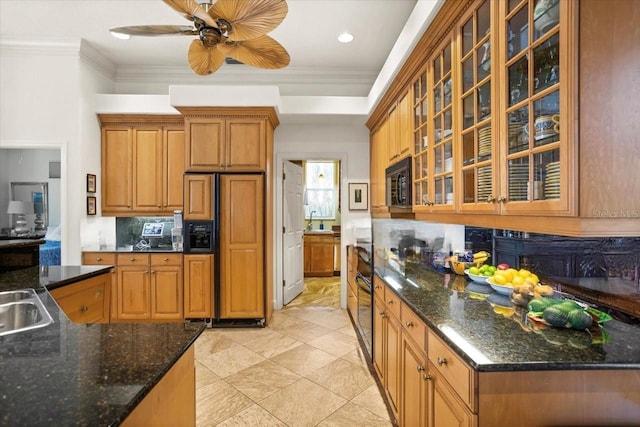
320 190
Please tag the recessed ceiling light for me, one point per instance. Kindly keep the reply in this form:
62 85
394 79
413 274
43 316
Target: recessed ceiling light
118 35
345 37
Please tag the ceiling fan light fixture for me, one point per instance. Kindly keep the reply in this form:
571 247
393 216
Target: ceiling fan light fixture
118 35
345 37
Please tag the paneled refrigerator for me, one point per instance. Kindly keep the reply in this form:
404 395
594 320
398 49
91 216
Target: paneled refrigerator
232 206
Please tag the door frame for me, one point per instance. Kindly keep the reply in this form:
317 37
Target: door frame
278 214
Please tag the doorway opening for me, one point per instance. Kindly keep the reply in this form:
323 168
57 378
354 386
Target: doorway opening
310 215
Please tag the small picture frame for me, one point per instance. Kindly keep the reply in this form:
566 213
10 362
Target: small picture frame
358 196
91 205
91 183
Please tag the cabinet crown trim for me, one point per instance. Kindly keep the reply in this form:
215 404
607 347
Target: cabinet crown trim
268 113
141 119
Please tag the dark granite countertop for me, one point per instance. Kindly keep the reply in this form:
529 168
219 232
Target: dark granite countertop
81 374
130 248
491 334
20 243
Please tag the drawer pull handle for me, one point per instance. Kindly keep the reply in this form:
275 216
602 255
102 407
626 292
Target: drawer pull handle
166 259
132 259
98 293
409 324
98 259
426 377
442 361
420 368
390 301
83 308
382 314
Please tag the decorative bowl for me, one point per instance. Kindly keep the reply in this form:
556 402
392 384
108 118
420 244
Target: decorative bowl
477 278
504 290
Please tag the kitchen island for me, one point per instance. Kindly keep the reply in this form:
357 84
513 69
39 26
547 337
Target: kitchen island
483 362
85 374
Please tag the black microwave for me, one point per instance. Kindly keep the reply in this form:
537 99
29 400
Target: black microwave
398 184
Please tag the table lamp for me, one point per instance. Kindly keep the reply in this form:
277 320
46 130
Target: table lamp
20 208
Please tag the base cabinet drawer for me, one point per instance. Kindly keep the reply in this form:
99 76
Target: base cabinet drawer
86 301
457 373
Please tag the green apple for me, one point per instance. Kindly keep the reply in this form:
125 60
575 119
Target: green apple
474 270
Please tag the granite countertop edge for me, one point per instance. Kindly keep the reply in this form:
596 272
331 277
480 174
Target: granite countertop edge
435 324
44 279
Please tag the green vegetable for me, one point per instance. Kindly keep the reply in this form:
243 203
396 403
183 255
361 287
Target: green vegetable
555 316
579 319
568 306
540 304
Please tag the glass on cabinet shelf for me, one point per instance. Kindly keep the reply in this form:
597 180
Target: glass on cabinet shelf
546 183
518 81
518 130
517 33
546 60
547 119
518 179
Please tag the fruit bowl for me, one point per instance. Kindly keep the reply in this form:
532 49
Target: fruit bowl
459 267
477 278
501 289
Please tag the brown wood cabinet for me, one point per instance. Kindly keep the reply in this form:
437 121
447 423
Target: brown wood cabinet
352 290
378 163
318 254
400 130
198 286
86 301
106 258
173 400
521 146
387 345
142 164
227 139
242 275
198 196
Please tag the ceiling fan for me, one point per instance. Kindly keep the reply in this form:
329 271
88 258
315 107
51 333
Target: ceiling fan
226 28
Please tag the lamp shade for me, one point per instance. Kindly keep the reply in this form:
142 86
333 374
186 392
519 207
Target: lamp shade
19 207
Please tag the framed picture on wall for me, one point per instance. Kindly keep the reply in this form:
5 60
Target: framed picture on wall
358 196
91 205
91 183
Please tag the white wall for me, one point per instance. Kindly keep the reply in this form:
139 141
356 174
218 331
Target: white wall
46 103
350 144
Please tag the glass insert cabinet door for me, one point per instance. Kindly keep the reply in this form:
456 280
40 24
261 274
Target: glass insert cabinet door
476 157
536 144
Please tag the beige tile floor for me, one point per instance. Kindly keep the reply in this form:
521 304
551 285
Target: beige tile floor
305 369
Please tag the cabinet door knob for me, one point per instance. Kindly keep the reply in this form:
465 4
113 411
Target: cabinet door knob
97 294
98 259
426 377
420 368
491 199
83 308
166 259
409 324
441 361
382 314
502 199
390 301
132 259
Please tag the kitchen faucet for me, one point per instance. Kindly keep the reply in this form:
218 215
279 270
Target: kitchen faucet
310 225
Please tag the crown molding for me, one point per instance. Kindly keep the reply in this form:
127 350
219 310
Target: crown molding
97 61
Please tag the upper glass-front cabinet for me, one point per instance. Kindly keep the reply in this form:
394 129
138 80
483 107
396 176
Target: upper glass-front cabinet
421 195
476 157
537 147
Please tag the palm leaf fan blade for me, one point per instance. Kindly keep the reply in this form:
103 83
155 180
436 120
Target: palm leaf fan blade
155 30
191 8
250 19
261 52
204 60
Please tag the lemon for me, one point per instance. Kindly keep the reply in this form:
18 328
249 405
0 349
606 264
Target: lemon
518 280
499 279
534 278
524 273
474 270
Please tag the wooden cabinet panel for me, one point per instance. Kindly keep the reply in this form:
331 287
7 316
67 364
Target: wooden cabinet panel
318 255
245 145
134 289
142 164
204 144
241 246
106 258
166 292
446 409
413 380
117 174
392 365
86 301
413 326
173 168
198 286
378 337
198 196
378 164
147 169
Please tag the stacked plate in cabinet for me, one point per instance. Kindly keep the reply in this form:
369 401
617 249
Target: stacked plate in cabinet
484 142
484 183
552 180
518 181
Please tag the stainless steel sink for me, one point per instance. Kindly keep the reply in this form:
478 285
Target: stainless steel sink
21 311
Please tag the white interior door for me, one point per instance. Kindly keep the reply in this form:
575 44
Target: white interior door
292 262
